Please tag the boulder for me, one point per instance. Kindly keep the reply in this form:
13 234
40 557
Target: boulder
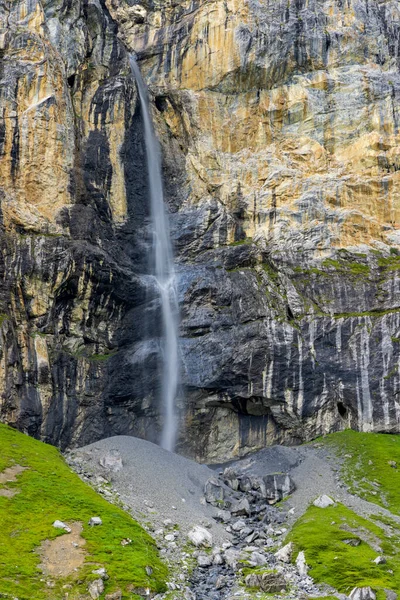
391 595
241 507
364 593
238 525
269 582
224 516
301 564
204 560
277 486
96 588
323 501
111 461
199 536
285 553
232 557
214 492
257 559
94 521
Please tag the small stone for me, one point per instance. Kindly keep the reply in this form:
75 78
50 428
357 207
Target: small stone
218 560
170 537
323 501
149 571
352 542
391 595
168 523
393 464
380 560
114 596
221 582
101 572
60 525
126 542
95 521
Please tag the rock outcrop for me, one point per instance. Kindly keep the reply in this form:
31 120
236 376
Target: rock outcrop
279 123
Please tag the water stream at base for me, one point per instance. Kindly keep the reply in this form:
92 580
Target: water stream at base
163 268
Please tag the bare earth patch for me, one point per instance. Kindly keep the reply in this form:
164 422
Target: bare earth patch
10 474
64 555
6 493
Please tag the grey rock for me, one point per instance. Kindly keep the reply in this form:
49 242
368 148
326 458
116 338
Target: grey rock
238 525
95 521
364 593
96 588
111 461
285 553
204 560
323 501
241 507
268 582
199 536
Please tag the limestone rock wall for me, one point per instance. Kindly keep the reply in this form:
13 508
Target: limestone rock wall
279 124
285 116
73 216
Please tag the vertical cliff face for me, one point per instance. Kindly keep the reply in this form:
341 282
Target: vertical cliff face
279 122
73 226
282 119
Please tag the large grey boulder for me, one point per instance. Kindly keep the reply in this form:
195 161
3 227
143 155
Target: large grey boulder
277 486
214 492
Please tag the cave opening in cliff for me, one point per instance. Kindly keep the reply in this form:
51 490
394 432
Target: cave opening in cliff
161 103
342 410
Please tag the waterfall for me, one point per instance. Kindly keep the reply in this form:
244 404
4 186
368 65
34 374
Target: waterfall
163 268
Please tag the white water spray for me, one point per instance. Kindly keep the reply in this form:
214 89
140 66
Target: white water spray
163 268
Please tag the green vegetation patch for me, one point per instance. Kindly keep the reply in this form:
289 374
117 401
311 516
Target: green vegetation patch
322 535
46 491
371 465
389 263
345 266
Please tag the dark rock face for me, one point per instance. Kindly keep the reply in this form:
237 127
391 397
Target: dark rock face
74 286
284 202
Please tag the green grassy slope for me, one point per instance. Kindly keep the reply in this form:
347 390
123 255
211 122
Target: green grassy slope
369 467
49 490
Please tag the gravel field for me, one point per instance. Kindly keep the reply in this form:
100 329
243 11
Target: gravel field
154 483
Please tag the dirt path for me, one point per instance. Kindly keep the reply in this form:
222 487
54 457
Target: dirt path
64 555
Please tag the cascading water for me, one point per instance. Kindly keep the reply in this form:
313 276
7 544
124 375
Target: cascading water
164 271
